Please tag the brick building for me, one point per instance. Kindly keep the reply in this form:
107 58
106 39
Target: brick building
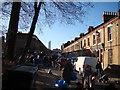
36 45
103 41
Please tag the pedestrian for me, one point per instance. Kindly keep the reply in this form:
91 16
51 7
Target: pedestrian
19 59
67 70
87 77
99 69
45 60
31 58
37 60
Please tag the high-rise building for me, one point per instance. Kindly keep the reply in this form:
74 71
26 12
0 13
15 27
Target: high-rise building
49 45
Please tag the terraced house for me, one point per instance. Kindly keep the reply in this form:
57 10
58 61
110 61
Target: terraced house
102 41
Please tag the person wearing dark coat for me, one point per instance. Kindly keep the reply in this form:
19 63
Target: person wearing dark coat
68 69
87 77
99 68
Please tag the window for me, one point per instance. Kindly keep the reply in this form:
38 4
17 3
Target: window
109 33
94 41
99 37
84 42
72 48
81 44
88 41
67 49
76 46
110 56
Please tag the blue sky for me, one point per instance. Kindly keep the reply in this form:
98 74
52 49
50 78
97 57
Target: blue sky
61 33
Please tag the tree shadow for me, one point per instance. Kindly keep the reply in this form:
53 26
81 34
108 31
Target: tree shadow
44 80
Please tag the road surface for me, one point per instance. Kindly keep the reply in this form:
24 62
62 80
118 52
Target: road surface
45 80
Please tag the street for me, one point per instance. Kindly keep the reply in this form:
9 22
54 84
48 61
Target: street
46 80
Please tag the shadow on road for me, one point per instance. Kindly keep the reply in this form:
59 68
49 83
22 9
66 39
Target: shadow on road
45 80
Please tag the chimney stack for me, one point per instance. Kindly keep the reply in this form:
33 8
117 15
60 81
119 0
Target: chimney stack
81 34
108 15
90 28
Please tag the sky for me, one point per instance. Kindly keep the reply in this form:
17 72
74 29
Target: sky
61 33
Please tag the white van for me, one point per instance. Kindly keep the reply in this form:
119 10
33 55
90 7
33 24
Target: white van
82 61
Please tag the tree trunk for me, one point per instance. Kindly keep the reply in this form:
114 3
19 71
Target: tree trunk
12 30
32 29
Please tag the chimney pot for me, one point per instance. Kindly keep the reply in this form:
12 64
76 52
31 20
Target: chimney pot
108 15
119 13
114 13
103 12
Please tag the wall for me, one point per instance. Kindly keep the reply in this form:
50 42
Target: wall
113 44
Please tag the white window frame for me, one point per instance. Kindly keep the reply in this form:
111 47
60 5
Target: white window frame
109 33
99 37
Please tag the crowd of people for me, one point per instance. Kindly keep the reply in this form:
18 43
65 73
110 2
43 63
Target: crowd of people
67 69
87 80
49 61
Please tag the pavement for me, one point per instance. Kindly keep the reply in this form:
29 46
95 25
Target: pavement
45 80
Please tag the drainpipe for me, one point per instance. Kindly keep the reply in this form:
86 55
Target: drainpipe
104 46
97 44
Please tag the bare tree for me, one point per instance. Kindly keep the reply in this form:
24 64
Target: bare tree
67 12
12 30
13 25
26 14
32 29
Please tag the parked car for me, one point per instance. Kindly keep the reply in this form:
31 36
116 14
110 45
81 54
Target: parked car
83 61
